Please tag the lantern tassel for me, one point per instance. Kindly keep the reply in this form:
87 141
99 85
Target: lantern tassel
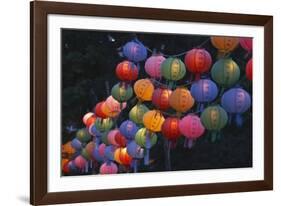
190 143
87 167
135 165
213 136
229 119
169 156
146 157
201 108
185 144
147 146
239 120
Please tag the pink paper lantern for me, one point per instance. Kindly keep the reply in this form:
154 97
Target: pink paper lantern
111 137
153 66
80 162
114 105
191 127
246 43
108 168
101 150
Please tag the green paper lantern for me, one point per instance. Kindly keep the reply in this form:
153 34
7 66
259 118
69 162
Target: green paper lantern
121 93
225 72
83 135
137 112
104 125
104 138
140 138
173 69
214 118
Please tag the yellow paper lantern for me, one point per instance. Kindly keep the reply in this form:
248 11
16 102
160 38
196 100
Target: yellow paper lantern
144 89
181 100
153 120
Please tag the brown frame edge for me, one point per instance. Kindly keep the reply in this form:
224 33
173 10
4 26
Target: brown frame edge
38 102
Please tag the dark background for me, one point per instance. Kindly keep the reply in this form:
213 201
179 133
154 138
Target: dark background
89 59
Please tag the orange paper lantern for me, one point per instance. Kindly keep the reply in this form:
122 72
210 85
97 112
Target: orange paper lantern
181 100
153 120
144 89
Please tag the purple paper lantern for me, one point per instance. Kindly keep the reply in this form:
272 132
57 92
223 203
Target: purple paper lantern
128 129
235 102
135 51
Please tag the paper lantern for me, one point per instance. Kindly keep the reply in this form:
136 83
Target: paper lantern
191 127
89 119
225 72
135 51
109 152
137 112
112 107
111 137
153 66
225 44
104 125
122 157
153 120
127 71
98 152
94 131
128 129
144 89
173 69
68 149
235 102
98 110
83 135
122 92
198 61
76 144
80 162
249 69
214 118
108 168
134 150
246 43
120 139
64 166
203 91
88 150
160 98
181 100
104 138
145 138
170 128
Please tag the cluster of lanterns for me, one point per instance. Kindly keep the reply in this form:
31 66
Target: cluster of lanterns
204 106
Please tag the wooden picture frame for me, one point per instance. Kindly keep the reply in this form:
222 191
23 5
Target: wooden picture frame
39 11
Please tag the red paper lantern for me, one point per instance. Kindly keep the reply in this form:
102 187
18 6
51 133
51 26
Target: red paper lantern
170 128
249 70
198 61
246 43
120 139
127 71
160 98
98 110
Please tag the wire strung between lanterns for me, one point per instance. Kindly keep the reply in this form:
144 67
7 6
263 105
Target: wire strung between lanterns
180 54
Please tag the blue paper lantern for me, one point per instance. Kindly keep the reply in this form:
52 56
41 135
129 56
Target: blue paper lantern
128 129
109 152
135 51
96 155
134 150
76 144
203 91
235 102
